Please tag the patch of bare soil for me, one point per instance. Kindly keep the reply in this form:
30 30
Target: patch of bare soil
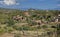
7 35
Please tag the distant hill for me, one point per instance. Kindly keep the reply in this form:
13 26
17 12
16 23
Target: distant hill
8 10
56 8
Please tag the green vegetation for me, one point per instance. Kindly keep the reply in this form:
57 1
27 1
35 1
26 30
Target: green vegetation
44 17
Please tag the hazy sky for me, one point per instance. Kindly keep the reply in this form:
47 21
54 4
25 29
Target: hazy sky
36 4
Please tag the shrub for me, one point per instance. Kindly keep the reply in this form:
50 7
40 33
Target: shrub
39 27
10 22
32 23
2 30
24 28
8 29
53 27
17 35
44 26
18 28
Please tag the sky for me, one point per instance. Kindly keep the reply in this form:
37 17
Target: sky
26 4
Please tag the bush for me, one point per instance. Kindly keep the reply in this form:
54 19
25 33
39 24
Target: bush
58 26
39 27
32 23
28 28
17 35
24 28
10 22
8 29
44 26
2 30
18 28
53 27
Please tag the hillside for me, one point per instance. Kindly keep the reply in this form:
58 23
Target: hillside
32 23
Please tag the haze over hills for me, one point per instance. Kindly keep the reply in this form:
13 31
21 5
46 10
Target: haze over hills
27 9
57 8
